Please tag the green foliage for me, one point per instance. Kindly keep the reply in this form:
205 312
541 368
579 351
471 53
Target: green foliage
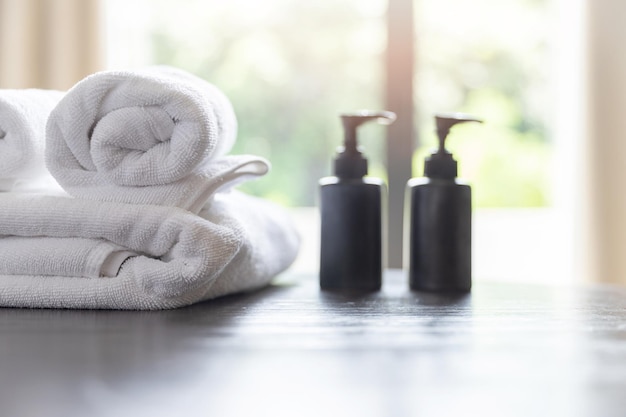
485 61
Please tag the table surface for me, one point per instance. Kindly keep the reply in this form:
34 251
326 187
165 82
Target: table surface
292 350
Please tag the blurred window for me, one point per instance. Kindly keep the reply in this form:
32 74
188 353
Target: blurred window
291 67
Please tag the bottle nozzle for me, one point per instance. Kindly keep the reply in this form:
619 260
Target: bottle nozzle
441 164
353 120
445 121
350 163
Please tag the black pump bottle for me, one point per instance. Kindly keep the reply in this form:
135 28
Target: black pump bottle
438 220
351 206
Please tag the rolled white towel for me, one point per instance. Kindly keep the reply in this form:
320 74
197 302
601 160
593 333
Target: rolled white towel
174 257
23 116
152 136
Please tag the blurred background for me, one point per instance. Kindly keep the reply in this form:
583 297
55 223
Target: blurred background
546 75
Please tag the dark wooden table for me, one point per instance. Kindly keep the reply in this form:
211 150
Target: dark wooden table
291 350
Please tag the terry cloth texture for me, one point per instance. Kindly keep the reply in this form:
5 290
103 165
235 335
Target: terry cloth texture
23 116
172 257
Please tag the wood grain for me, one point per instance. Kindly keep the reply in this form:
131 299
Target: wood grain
292 350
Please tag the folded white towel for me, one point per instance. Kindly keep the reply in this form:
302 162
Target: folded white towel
152 136
23 116
238 243
270 242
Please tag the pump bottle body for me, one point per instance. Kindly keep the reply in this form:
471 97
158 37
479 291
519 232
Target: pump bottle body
438 239
351 256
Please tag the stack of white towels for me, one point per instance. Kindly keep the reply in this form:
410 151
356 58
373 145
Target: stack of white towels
136 209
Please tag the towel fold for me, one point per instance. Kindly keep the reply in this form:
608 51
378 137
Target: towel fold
152 136
237 243
23 116
72 257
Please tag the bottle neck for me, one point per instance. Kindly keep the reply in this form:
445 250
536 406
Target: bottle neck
441 165
350 166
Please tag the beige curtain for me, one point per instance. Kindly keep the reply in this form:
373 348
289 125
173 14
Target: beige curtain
49 43
606 138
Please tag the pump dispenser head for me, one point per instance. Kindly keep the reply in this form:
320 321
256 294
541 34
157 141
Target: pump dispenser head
350 162
441 164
